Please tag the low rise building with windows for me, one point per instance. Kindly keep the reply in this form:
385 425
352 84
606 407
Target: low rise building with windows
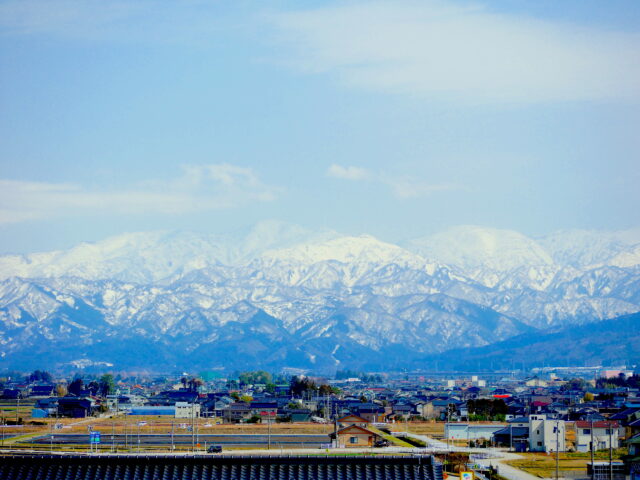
598 435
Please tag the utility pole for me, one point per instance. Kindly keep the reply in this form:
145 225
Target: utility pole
193 430
610 452
446 427
593 467
511 437
557 447
172 445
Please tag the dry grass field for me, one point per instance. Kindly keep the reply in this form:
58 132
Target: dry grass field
161 424
432 429
543 465
155 424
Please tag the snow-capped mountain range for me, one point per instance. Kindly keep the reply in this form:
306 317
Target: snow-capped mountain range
281 295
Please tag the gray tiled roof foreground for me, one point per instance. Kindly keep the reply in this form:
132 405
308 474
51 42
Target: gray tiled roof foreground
220 468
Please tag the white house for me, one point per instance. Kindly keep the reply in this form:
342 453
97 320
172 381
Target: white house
605 433
187 410
546 435
464 431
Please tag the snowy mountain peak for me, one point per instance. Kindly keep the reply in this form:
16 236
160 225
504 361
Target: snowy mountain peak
473 247
490 256
581 248
267 293
361 249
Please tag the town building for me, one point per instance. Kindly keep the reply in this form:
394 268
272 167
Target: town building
603 434
546 435
354 436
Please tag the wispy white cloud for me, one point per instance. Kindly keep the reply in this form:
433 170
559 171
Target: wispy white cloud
348 173
403 186
443 50
199 188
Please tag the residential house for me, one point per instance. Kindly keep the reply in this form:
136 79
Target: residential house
353 420
402 411
296 414
515 437
372 412
42 390
187 410
76 407
237 412
153 410
45 407
13 393
632 460
170 397
535 382
267 410
354 436
438 407
546 435
465 431
632 429
630 419
598 435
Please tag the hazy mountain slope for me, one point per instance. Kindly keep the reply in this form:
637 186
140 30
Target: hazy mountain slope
609 342
582 248
210 329
473 247
149 257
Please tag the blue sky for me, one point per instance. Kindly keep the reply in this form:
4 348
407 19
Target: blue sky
395 118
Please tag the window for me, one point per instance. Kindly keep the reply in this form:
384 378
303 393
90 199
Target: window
539 444
586 431
353 439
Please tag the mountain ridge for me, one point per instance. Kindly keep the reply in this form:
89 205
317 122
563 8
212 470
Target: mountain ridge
608 342
314 293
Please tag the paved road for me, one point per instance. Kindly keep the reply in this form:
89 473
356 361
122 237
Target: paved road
286 441
494 457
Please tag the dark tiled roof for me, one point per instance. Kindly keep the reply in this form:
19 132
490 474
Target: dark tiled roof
221 468
515 431
624 413
635 423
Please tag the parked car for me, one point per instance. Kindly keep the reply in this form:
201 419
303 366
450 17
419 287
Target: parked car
214 449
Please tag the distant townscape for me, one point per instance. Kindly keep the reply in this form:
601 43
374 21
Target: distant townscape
584 413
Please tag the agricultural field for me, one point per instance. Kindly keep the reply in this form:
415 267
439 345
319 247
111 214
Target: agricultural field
543 465
431 429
